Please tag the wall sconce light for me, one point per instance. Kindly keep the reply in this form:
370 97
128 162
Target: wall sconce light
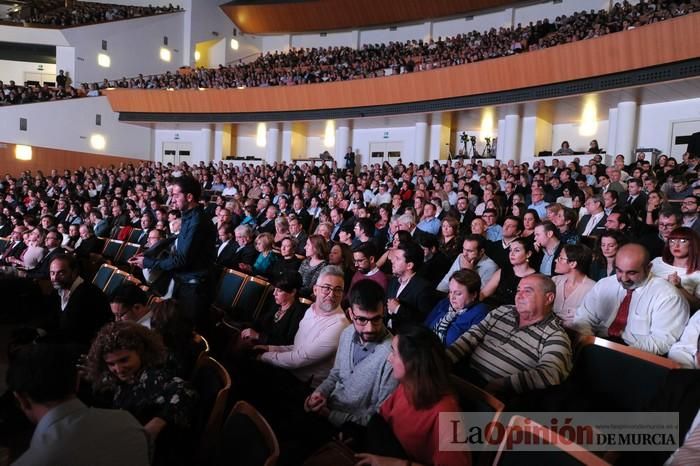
23 152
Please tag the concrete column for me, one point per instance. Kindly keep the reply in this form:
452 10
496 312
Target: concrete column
272 144
207 145
287 142
511 140
500 147
439 143
421 141
342 141
626 131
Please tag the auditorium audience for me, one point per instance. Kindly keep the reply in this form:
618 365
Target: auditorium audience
654 318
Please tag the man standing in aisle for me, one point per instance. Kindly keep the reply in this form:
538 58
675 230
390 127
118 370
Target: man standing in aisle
193 255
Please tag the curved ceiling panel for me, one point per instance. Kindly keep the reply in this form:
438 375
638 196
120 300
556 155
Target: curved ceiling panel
294 16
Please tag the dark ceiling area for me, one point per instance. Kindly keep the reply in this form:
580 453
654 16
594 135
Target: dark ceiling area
297 16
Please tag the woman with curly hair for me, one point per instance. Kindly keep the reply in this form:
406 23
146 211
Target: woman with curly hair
125 366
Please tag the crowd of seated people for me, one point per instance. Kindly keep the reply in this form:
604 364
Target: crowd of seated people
316 65
67 13
499 307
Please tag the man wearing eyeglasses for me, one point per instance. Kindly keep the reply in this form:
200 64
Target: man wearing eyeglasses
310 358
361 377
654 241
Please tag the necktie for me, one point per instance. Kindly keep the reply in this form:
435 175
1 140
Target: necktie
618 325
689 453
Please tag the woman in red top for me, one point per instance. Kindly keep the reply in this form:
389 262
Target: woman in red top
413 410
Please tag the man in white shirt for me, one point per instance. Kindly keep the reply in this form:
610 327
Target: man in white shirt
310 358
644 311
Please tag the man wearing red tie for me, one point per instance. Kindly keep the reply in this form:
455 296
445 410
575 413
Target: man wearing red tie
634 307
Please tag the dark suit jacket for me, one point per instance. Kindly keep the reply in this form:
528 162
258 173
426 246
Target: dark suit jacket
268 227
225 259
15 251
638 207
597 230
301 243
416 302
87 311
5 230
246 255
41 271
680 393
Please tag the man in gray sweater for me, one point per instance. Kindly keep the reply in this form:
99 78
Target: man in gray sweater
361 376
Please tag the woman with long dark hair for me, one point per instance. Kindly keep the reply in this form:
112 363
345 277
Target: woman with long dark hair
412 412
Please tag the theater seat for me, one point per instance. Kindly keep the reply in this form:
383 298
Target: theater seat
213 384
247 439
609 376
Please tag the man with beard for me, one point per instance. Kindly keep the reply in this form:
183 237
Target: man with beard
78 309
643 311
361 378
365 259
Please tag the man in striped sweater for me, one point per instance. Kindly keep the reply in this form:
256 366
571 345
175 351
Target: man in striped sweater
518 348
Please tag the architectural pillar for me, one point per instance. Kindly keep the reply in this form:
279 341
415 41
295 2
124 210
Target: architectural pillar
626 132
272 144
287 141
439 143
511 140
421 140
342 141
207 145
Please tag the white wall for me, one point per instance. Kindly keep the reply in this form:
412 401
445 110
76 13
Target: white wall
481 22
570 132
550 10
15 70
654 122
401 34
361 139
246 146
272 43
31 35
195 137
332 39
123 38
69 124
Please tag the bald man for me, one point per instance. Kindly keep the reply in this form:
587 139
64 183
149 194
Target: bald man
633 306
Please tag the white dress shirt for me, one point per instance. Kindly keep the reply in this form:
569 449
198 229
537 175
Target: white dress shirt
592 222
657 314
684 350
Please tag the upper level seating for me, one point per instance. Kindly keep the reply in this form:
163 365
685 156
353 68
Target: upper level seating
318 65
303 66
62 13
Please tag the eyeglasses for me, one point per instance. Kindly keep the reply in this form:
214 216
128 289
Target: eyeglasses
364 320
669 226
325 289
678 241
689 202
562 259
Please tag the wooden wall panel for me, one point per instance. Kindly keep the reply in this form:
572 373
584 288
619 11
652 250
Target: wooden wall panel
46 159
329 15
655 44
